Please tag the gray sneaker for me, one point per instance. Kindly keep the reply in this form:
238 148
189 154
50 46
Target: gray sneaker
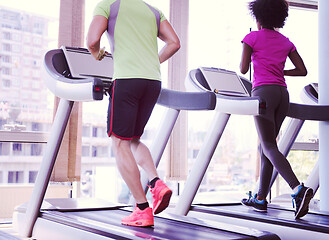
259 206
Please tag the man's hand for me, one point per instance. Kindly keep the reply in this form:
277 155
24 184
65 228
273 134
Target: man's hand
102 53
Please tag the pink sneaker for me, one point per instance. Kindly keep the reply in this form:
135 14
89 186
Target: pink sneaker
161 196
139 218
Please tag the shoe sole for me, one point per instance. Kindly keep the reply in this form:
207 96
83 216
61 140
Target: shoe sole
139 223
164 203
303 210
245 205
259 210
253 208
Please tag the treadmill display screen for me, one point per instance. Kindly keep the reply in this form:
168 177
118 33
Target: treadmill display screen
224 82
82 64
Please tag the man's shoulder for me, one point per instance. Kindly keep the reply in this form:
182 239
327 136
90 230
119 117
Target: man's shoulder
103 7
106 3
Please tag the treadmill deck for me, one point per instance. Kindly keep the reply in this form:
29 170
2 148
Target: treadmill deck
313 221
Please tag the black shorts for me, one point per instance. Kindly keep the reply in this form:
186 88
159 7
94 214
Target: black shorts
130 106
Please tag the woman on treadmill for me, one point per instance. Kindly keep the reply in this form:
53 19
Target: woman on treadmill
133 28
268 50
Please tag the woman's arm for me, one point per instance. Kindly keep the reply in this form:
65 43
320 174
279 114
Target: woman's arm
172 42
300 69
246 58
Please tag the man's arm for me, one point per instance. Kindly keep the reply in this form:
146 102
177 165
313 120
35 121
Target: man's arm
169 36
96 29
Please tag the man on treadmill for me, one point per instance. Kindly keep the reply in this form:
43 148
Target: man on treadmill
133 27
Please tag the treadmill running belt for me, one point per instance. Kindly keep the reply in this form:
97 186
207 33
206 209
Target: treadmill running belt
6 236
108 223
275 215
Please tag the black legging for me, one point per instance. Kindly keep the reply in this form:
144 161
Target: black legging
268 126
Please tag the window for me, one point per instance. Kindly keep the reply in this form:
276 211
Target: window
3 110
36 149
36 126
6 47
32 176
36 51
6 83
111 153
38 27
36 74
15 177
16 37
6 35
35 95
85 151
15 83
37 63
94 151
27 39
37 41
94 131
27 61
16 60
16 48
27 50
26 95
103 151
5 70
85 131
26 73
5 58
16 72
102 132
4 148
17 147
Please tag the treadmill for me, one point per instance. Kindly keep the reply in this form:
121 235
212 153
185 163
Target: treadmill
279 220
6 236
94 218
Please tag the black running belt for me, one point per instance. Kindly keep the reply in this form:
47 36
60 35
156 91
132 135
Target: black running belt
6 236
275 215
108 224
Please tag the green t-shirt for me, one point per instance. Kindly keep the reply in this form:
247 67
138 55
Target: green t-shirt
133 29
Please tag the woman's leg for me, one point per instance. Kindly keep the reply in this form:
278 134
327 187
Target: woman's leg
265 176
268 126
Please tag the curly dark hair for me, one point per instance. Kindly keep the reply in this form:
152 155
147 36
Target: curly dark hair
270 13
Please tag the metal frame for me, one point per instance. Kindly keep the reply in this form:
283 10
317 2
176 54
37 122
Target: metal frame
47 164
24 137
304 4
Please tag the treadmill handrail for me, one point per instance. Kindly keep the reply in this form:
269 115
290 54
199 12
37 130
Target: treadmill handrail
187 100
62 86
240 105
52 71
309 112
225 103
